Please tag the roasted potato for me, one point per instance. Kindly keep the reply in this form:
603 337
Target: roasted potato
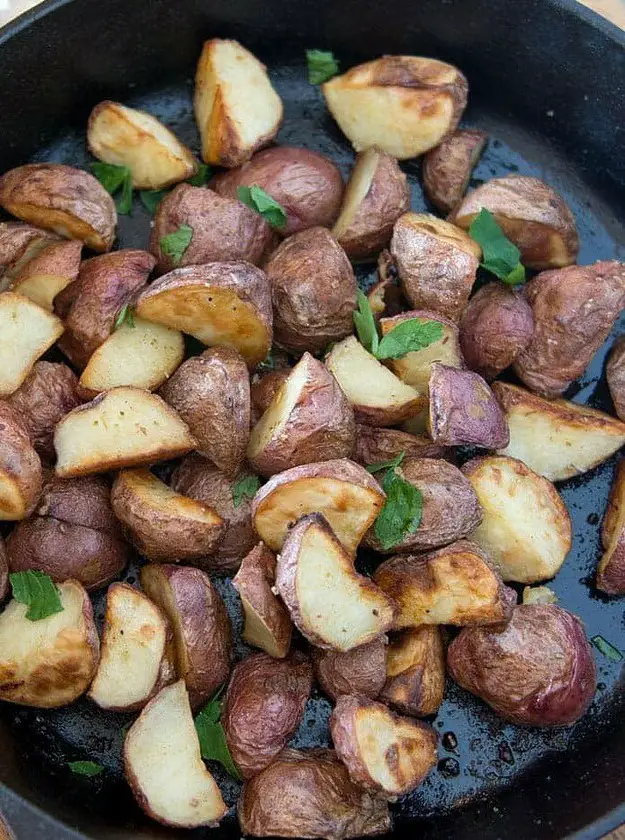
274 691
49 662
313 291
263 389
135 139
123 427
267 624
531 214
309 420
307 185
331 605
346 494
72 534
574 311
4 571
464 410
525 529
402 104
447 168
45 268
236 108
611 569
65 200
202 631
538 670
373 446
496 327
309 794
385 297
164 767
436 262
19 243
615 374
376 195
20 467
538 595
382 751
162 524
361 670
219 304
556 438
415 671
453 585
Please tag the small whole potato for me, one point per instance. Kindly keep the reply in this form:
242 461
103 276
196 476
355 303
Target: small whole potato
615 374
360 671
447 168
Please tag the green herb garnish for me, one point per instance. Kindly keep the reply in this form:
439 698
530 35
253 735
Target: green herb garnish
321 66
85 768
386 465
38 591
201 177
245 487
366 328
258 200
115 178
499 256
408 336
401 514
607 649
212 737
125 315
175 244
151 199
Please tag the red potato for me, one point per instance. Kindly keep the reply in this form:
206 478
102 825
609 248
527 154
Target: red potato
19 242
264 388
447 168
374 446
611 568
45 269
615 374
386 298
360 671
415 671
4 571
20 467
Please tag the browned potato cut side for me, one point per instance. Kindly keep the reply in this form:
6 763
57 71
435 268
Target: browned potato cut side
415 671
360 671
538 595
47 273
447 168
19 243
611 569
20 467
615 374
373 445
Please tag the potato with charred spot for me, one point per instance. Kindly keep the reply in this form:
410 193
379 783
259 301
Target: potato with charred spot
447 168
611 569
415 671
615 374
360 671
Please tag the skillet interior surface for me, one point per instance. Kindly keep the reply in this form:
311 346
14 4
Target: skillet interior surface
549 116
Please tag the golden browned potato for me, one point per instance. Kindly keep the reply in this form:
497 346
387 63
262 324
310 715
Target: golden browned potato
496 326
263 389
128 137
447 168
49 662
163 764
343 492
267 690
436 262
556 438
20 467
331 605
267 624
374 446
309 420
385 297
225 304
313 290
615 374
19 243
45 269
574 311
72 534
162 524
525 528
453 585
361 670
62 199
124 427
307 185
198 617
531 214
611 569
310 794
236 108
376 195
382 751
403 104
415 671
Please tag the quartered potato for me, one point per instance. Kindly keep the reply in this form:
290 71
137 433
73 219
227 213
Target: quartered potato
374 446
20 467
615 375
447 168
45 268
19 243
611 569
263 389
4 571
415 671
360 671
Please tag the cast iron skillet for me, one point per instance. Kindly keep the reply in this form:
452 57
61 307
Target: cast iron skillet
547 81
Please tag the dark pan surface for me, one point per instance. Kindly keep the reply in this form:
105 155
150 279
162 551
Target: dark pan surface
501 781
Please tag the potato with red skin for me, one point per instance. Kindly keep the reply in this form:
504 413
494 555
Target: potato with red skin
361 670
538 670
447 168
4 571
20 467
18 242
374 446
415 671
44 270
615 374
267 690
264 388
611 568
496 327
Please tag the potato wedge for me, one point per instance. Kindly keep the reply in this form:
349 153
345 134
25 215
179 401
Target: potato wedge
198 617
415 671
611 569
164 767
360 671
376 195
378 397
346 494
556 438
50 662
123 427
274 691
19 243
309 420
373 446
526 529
20 467
615 375
4 571
402 104
26 332
264 388
454 585
219 304
45 272
162 524
330 604
266 621
382 751
447 168
128 137
211 393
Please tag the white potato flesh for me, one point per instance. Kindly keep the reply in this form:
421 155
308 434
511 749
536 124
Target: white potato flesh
356 191
273 421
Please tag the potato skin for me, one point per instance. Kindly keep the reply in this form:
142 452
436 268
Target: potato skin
313 291
4 571
415 671
496 327
447 167
375 445
273 691
264 389
361 670
15 239
19 461
574 310
537 671
385 298
307 185
615 374
611 570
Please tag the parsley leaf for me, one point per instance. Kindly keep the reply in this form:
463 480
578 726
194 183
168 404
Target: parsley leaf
125 316
201 177
175 244
212 737
386 465
499 256
322 65
151 199
401 514
38 591
85 768
607 649
245 487
114 178
365 324
408 336
261 202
